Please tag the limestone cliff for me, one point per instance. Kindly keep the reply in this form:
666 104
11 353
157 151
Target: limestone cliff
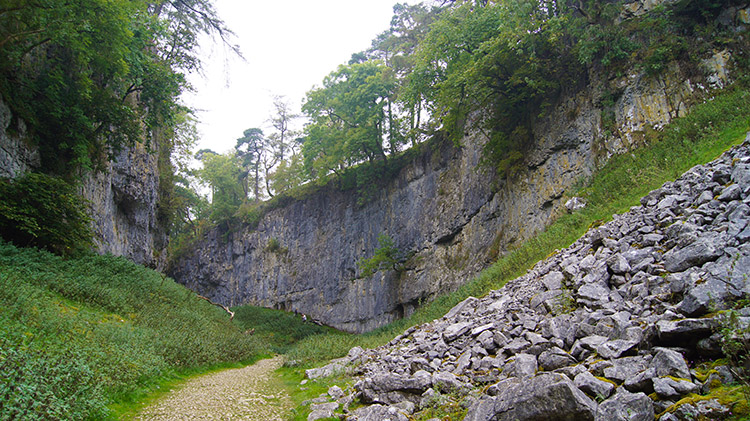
16 156
443 207
124 206
123 197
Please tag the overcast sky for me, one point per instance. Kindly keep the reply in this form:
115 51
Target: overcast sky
289 46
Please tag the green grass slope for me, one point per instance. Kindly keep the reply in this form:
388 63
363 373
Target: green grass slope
79 335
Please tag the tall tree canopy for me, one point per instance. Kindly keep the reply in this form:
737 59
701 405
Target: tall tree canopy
250 150
348 119
222 173
89 76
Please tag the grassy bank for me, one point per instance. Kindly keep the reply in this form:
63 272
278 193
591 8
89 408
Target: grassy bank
709 130
87 338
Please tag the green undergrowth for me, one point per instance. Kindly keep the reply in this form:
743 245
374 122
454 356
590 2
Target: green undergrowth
279 330
709 130
88 338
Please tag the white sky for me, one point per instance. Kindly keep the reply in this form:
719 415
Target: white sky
289 47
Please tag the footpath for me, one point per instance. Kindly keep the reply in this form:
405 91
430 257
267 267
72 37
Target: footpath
236 394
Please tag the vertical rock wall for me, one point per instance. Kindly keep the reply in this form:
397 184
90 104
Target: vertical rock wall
16 155
123 198
444 208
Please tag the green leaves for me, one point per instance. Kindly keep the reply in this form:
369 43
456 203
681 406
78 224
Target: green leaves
222 173
42 211
348 118
508 57
92 76
386 257
66 75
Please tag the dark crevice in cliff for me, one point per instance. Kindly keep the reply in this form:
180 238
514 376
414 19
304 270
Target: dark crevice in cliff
447 239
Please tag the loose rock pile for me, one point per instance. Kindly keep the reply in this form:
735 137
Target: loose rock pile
602 330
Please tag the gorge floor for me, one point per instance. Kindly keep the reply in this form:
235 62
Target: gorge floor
247 393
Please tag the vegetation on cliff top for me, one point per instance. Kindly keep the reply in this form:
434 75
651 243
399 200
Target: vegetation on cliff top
89 77
501 64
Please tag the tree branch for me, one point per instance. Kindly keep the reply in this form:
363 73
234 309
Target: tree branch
231 313
18 35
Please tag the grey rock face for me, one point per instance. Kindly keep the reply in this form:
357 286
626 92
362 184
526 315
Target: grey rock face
124 200
546 396
123 197
16 157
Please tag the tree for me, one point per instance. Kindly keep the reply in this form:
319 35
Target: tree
348 119
92 76
289 174
281 145
282 140
250 150
396 47
222 172
507 59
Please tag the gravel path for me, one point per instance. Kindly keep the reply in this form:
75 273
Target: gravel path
248 393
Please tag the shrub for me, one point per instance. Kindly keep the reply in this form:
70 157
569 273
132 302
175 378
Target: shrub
46 212
386 257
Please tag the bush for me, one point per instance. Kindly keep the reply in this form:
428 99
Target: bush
386 257
42 211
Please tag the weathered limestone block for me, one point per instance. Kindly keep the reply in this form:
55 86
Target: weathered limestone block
546 396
